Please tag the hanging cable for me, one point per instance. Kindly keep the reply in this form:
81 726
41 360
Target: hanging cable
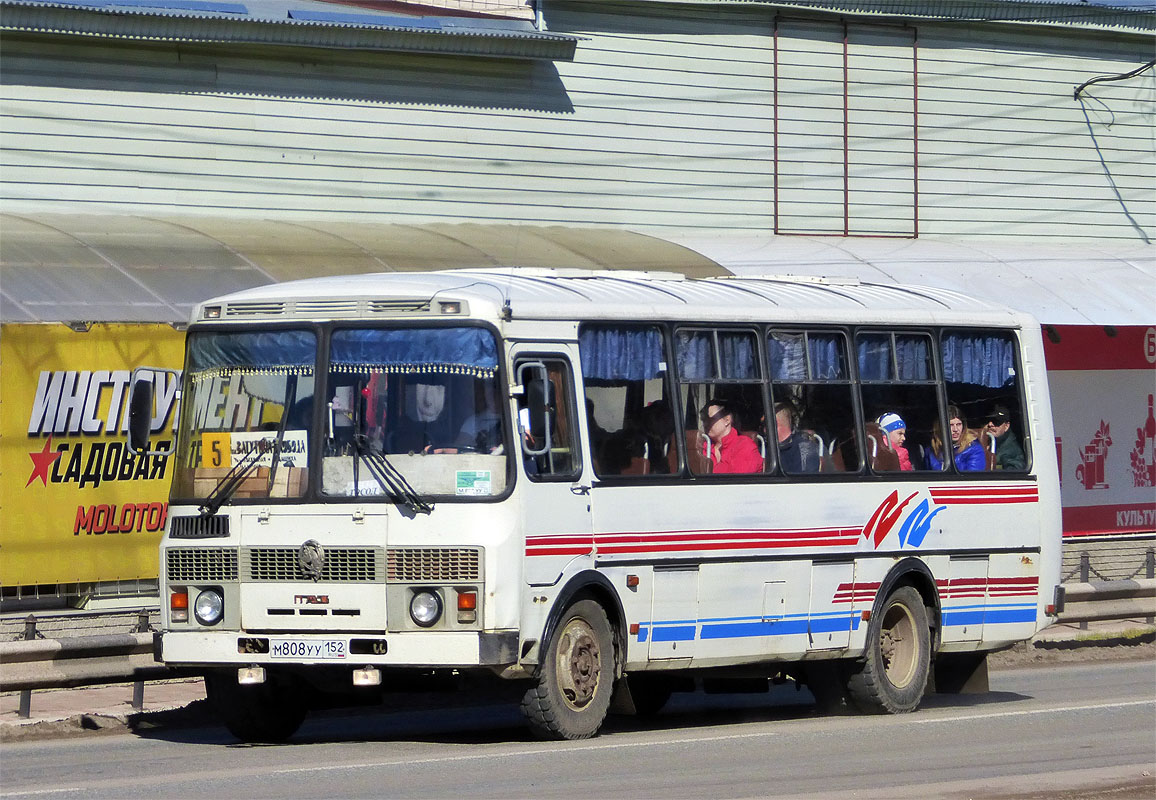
1105 78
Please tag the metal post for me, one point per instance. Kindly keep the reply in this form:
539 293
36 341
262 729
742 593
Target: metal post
1085 569
142 626
25 710
1150 572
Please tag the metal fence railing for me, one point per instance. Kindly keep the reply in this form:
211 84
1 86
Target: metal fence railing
35 662
1094 601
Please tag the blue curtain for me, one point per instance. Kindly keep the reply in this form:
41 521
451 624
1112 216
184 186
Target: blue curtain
270 352
785 352
693 355
980 359
738 356
826 357
452 351
911 352
620 353
914 356
874 354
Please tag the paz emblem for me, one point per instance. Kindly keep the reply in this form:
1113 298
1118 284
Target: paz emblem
311 559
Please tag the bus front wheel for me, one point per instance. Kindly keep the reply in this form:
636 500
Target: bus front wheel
262 713
892 677
571 693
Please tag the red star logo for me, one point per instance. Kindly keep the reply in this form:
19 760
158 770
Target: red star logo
42 461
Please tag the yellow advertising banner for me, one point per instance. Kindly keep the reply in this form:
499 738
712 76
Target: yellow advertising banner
76 506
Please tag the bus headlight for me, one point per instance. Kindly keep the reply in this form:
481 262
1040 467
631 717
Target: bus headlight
209 607
425 608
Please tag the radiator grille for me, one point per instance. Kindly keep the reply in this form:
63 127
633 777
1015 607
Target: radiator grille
427 564
200 565
342 564
199 527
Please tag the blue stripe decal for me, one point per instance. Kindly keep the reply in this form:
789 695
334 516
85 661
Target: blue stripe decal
962 617
682 633
1012 615
736 630
990 615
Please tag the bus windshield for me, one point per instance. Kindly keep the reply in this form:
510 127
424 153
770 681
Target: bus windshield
405 414
414 411
248 396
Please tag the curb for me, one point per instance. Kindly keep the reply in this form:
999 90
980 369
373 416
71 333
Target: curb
189 715
1087 641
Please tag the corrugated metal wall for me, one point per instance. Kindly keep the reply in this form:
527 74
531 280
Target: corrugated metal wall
665 120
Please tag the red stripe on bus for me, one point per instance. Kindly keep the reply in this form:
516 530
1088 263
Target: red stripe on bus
676 547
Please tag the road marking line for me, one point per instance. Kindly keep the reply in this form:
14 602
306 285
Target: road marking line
581 747
585 746
32 792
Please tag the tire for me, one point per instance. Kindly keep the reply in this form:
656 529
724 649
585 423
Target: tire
262 713
892 677
572 689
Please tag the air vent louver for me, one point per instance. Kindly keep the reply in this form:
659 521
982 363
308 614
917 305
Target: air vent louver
254 309
429 564
342 564
400 306
199 527
200 565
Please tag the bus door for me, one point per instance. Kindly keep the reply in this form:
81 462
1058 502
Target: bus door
675 611
829 624
555 498
964 603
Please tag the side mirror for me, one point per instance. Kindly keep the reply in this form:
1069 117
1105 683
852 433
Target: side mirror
539 406
140 410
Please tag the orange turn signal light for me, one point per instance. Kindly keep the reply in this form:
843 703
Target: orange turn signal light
179 600
467 601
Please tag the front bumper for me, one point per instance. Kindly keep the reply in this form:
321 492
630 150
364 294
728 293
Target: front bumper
461 649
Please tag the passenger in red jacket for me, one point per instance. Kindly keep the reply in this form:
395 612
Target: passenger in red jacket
730 451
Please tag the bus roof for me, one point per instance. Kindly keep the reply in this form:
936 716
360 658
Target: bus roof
559 294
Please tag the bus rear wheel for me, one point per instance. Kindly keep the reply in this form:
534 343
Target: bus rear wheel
893 674
571 693
262 713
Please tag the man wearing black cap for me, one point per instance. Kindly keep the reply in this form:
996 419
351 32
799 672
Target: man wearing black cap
1008 453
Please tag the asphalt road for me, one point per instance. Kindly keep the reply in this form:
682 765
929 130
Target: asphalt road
1085 730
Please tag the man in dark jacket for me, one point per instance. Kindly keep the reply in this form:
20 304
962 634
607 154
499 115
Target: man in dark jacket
1008 453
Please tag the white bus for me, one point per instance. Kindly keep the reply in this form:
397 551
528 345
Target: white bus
603 484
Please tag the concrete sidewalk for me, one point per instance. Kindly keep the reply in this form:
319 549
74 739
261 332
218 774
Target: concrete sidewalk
110 706
97 707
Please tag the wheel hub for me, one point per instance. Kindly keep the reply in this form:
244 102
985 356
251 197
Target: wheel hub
579 663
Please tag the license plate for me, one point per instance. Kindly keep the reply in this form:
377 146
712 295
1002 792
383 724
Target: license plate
301 648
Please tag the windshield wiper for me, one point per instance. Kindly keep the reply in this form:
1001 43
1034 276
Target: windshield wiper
232 481
391 481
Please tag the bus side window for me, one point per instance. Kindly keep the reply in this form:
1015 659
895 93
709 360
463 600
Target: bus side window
628 403
982 376
720 369
561 460
900 398
814 412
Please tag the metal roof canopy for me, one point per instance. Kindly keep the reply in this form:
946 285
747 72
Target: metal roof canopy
1093 282
96 268
110 268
